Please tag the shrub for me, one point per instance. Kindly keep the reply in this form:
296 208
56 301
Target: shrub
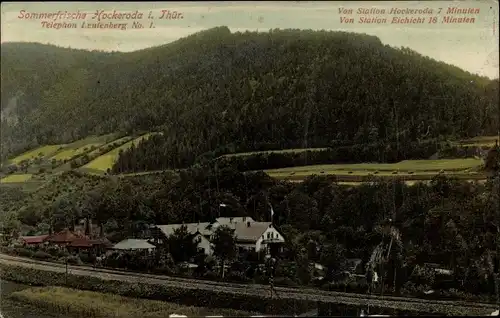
24 252
237 277
42 255
74 260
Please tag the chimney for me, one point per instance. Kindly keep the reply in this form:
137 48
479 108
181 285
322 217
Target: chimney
248 224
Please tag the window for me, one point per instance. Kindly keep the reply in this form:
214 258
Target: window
268 235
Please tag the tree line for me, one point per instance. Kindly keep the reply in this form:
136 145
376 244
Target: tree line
449 222
242 92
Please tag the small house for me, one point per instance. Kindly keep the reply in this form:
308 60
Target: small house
90 246
63 238
33 241
134 245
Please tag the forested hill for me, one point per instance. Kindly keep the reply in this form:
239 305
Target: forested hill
222 91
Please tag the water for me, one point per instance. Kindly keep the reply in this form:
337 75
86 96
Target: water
13 309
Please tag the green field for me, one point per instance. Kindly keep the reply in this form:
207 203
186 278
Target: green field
272 151
114 142
481 141
107 160
16 178
44 151
81 146
414 168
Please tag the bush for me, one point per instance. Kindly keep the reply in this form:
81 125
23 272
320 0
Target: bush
21 251
74 260
285 282
42 255
237 277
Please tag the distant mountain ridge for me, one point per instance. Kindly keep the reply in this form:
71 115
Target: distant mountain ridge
241 91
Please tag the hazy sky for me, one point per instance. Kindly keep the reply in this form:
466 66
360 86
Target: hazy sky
473 47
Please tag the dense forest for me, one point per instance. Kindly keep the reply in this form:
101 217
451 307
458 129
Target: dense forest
222 92
447 222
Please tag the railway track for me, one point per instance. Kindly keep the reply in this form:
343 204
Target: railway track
390 302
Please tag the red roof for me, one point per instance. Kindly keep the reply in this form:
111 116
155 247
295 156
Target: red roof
34 239
65 236
81 242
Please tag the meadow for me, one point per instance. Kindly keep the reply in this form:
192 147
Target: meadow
411 169
93 304
104 162
82 146
297 150
481 141
16 178
44 152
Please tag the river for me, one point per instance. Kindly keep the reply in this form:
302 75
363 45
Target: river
12 309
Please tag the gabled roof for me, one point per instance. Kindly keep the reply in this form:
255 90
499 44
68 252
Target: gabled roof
234 220
133 244
168 229
34 239
241 229
250 233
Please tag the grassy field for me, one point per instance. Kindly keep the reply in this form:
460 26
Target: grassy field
92 304
481 141
107 160
44 151
413 168
16 178
81 146
273 151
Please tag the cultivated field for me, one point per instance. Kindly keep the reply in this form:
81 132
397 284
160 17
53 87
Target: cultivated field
16 178
410 169
481 141
107 160
241 154
44 152
82 146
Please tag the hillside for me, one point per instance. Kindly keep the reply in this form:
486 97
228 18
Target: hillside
220 92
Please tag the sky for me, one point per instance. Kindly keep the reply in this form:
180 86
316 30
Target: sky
470 46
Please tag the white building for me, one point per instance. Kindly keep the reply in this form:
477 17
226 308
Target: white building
250 235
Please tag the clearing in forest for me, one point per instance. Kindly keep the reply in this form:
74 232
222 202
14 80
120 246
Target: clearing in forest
107 160
82 146
297 150
16 178
407 167
43 152
481 141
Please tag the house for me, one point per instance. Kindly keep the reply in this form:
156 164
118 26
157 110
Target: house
250 235
93 246
233 220
256 236
134 245
63 238
33 241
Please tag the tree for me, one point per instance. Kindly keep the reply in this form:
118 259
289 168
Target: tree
332 257
224 245
181 244
9 223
